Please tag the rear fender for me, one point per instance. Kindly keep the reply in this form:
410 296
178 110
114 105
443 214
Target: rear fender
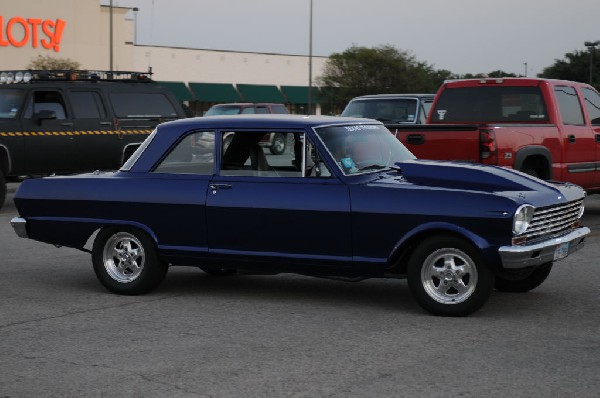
73 232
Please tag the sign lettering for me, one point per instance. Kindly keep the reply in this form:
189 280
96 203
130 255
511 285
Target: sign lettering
19 31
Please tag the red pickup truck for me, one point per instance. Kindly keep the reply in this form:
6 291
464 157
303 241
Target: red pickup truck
547 128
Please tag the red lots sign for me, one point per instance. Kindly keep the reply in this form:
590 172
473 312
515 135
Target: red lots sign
19 31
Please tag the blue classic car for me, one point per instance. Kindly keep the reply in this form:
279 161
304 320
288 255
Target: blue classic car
346 201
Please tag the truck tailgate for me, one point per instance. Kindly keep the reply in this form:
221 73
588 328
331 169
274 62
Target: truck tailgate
440 142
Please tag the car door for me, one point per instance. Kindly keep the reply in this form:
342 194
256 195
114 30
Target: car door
47 124
592 103
579 151
269 210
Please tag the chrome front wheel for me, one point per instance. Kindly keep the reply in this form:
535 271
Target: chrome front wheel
447 276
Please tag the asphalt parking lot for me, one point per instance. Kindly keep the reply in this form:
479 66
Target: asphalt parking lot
63 335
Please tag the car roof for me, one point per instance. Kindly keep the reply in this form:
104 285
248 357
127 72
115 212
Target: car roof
170 132
262 121
247 104
393 96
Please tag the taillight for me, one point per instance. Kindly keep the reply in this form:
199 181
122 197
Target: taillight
487 146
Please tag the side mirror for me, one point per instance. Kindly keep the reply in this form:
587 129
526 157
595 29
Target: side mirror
44 115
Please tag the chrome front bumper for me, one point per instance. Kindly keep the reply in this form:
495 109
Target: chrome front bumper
555 249
20 226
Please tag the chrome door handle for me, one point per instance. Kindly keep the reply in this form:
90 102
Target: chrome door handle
215 187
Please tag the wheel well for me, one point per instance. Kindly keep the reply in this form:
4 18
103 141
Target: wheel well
399 259
4 162
539 164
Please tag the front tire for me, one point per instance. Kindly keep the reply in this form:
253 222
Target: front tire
447 276
506 283
125 261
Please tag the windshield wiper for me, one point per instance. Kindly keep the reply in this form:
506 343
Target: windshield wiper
380 167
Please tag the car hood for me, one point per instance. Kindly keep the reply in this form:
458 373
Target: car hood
473 177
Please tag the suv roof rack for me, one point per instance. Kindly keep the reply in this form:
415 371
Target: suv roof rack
26 76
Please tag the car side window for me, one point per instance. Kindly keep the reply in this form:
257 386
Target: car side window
246 153
592 103
87 105
569 106
194 154
51 101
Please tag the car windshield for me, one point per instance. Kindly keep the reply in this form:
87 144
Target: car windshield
388 110
224 110
11 100
363 148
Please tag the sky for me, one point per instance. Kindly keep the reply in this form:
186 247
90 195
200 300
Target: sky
462 36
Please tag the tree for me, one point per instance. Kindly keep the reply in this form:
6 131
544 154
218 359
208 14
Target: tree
47 62
379 70
575 66
496 73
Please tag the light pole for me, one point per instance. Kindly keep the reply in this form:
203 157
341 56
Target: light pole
591 45
135 11
525 63
310 45
110 44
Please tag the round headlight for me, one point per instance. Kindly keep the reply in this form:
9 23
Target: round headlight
10 77
522 218
27 77
18 77
3 77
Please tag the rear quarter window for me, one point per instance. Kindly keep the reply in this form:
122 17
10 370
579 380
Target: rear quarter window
132 105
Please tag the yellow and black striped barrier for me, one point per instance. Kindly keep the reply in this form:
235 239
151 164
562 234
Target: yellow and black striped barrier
67 133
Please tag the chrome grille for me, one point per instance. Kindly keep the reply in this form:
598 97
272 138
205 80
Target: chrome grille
552 221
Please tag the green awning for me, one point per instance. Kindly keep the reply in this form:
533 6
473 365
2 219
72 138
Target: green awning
215 92
179 89
260 93
299 94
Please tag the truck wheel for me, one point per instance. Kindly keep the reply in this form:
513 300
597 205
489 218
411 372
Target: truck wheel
522 285
278 144
2 189
125 261
447 276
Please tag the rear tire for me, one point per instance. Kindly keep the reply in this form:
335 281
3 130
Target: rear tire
447 276
522 285
125 261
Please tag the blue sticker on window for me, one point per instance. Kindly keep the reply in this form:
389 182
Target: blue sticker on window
348 163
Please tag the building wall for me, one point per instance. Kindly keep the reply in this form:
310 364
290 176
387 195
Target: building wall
86 39
210 66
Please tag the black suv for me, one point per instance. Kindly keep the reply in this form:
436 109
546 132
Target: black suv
76 121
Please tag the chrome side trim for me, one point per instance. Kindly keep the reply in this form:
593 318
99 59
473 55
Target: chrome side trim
522 256
20 226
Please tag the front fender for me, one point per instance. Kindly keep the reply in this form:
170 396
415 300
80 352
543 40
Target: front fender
414 237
